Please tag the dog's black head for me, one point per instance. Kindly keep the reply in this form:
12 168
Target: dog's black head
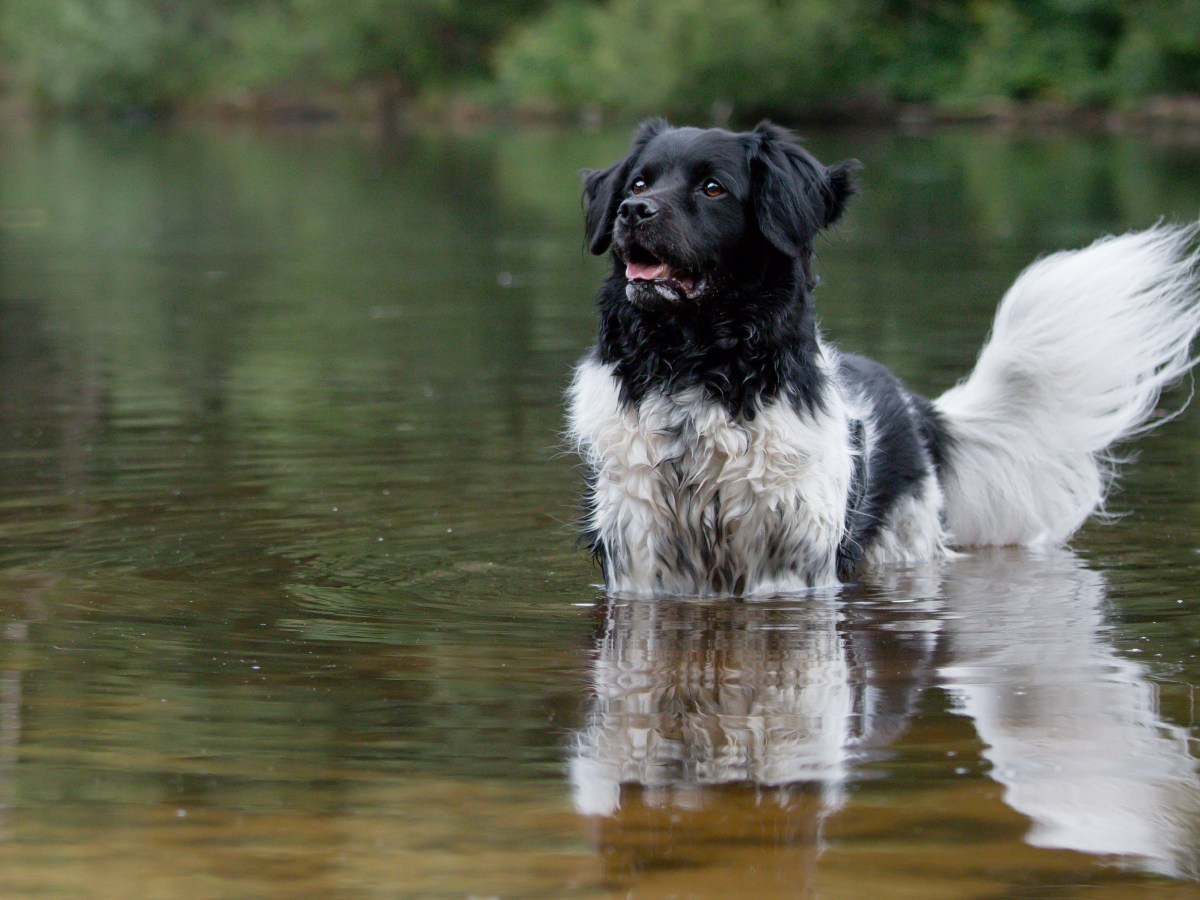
696 214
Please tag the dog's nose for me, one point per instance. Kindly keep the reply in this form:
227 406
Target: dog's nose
635 210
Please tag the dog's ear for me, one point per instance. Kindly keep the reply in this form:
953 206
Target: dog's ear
604 189
794 195
842 186
601 197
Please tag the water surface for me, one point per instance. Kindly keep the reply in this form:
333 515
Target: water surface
289 593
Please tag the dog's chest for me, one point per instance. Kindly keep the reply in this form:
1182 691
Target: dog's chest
686 499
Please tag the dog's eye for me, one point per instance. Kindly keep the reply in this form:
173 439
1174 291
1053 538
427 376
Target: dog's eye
639 185
712 188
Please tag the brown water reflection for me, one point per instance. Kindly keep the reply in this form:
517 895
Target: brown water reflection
967 730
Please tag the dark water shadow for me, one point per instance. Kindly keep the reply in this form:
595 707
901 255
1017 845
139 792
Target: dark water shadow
771 711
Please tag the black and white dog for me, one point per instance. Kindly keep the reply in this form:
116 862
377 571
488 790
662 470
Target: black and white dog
731 451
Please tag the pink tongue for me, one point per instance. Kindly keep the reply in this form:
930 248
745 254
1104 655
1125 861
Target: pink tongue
642 272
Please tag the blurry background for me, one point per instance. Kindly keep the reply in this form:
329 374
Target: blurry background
718 58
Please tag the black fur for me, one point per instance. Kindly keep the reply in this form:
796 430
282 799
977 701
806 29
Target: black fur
909 437
752 336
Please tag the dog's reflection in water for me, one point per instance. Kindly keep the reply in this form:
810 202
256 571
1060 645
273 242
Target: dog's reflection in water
765 711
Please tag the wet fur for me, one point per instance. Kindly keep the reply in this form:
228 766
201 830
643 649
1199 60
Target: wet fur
730 450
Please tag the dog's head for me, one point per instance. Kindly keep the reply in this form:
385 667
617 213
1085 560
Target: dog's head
690 212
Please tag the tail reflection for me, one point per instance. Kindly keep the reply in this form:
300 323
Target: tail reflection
1072 729
791 696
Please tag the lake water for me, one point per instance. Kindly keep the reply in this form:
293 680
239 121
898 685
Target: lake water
289 599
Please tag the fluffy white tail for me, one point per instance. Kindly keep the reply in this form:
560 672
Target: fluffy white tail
1082 346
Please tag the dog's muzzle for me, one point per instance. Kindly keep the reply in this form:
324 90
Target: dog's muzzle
650 278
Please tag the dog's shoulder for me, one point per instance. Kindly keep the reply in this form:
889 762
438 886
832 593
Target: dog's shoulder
896 512
907 429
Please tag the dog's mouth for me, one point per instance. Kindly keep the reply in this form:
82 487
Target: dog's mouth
646 272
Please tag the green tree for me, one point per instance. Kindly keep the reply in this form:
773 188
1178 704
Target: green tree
112 57
1160 53
395 47
690 58
687 56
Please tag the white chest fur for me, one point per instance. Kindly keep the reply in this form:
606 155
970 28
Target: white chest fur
688 500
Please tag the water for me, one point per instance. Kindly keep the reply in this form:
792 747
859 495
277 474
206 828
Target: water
290 602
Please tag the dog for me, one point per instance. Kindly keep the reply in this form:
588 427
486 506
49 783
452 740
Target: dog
729 450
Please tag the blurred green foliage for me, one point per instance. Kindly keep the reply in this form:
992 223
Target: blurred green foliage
109 57
680 57
686 56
